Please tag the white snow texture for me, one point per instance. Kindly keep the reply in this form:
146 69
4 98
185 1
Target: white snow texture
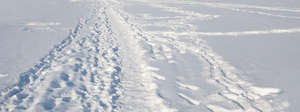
149 56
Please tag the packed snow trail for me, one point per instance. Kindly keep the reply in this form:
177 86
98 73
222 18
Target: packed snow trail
112 62
85 73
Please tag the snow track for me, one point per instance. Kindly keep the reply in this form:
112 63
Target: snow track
80 74
251 9
238 93
244 33
106 65
84 73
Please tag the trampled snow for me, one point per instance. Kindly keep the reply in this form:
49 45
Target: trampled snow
149 56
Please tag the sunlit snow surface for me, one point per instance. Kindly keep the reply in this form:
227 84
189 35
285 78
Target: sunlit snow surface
149 56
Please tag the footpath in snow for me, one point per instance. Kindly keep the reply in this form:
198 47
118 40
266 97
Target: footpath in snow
143 56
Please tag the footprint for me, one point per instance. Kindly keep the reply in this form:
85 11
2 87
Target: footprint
20 108
24 79
70 84
64 76
77 67
92 79
13 92
55 84
66 99
96 60
82 94
84 72
118 69
49 104
22 96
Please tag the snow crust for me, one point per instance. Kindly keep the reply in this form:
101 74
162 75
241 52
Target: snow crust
148 56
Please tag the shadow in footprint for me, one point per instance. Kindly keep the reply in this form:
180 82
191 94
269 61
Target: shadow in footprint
49 104
64 76
66 99
77 67
55 84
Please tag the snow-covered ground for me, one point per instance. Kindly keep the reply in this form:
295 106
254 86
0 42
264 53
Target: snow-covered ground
149 56
29 29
